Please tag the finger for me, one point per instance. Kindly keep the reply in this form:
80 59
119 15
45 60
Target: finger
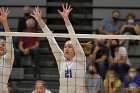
8 12
69 7
59 11
35 9
66 5
38 9
63 7
2 9
33 15
41 12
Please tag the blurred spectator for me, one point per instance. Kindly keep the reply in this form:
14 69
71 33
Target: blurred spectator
29 45
112 83
110 26
40 87
119 61
99 55
94 83
131 82
22 21
129 28
138 69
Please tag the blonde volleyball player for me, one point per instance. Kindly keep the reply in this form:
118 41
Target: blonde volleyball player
6 54
72 62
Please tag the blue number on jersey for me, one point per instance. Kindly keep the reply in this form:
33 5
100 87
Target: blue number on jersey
68 73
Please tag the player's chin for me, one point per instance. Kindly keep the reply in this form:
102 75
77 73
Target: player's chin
66 56
2 52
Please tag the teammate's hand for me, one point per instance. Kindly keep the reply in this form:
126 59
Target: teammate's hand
3 14
66 11
37 13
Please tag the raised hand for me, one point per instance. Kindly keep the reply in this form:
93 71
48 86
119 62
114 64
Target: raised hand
37 13
3 14
66 11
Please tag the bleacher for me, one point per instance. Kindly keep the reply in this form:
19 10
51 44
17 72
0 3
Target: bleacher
86 17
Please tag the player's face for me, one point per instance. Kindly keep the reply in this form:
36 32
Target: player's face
69 50
39 88
2 48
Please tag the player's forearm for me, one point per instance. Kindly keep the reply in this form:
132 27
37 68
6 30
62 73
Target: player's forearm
53 44
69 25
75 41
77 47
41 23
67 21
6 26
10 50
9 44
8 39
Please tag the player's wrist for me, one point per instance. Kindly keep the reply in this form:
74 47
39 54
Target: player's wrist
66 18
39 19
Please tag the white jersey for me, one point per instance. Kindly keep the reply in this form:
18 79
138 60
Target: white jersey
46 91
72 73
6 63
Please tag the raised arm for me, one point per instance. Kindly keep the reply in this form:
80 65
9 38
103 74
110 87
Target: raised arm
53 44
80 55
9 44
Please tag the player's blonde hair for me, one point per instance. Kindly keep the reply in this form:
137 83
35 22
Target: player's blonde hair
40 82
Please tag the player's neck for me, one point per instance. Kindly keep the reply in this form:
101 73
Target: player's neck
69 59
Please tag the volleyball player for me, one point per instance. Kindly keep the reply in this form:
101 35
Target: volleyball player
72 62
6 54
40 87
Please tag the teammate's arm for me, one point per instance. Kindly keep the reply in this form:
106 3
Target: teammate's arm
9 45
53 44
80 55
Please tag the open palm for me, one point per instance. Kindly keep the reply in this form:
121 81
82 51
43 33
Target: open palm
37 13
4 13
66 10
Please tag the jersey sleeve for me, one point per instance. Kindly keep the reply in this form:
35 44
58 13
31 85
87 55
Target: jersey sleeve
9 57
58 53
79 53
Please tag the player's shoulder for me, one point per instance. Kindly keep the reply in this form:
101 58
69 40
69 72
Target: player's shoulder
48 91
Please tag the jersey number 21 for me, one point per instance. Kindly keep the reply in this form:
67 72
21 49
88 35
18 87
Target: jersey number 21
68 73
